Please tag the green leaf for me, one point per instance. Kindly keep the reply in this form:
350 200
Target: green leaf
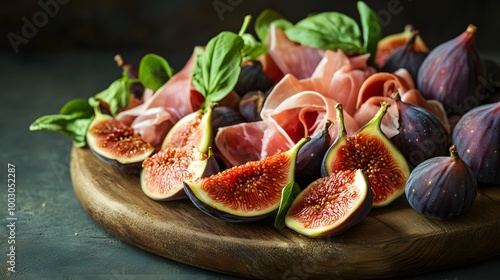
288 195
327 30
73 121
117 95
251 47
154 71
217 68
372 30
263 21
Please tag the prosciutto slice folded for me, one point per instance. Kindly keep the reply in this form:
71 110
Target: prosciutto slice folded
161 110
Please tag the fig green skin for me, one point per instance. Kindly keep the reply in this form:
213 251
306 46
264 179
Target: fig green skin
451 72
421 134
441 188
477 136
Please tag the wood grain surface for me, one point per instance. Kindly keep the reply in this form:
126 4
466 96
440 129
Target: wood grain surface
391 241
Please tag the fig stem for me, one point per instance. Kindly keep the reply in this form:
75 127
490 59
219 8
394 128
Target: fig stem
453 152
340 120
377 119
410 44
471 28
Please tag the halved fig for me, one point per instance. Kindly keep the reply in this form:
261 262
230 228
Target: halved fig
331 205
192 130
246 192
370 150
116 143
164 172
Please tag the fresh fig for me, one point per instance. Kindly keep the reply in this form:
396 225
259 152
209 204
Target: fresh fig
250 105
224 116
164 172
442 187
308 166
252 77
370 150
192 130
387 45
116 143
451 74
331 205
136 88
477 136
421 134
247 192
407 57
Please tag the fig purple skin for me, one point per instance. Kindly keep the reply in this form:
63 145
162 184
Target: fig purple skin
220 215
224 116
442 187
251 104
406 57
421 134
130 168
451 73
310 157
477 136
252 77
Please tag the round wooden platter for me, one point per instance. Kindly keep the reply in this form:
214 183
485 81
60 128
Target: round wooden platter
391 241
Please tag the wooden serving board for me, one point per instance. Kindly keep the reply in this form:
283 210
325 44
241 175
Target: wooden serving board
391 241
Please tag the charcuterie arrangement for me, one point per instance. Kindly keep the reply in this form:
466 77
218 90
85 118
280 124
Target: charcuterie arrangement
315 122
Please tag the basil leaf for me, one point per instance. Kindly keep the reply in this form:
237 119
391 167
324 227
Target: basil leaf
154 71
117 95
251 47
217 69
263 21
73 121
372 30
282 24
288 194
327 30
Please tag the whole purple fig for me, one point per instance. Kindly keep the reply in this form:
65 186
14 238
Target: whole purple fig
477 136
451 74
407 56
442 187
310 156
421 134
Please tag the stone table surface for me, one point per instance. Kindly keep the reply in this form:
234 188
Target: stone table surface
54 237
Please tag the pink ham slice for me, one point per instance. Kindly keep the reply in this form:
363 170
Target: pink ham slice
290 57
302 114
380 87
296 108
175 99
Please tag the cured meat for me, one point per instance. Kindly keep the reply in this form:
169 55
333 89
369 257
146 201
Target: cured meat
297 108
240 143
161 110
384 84
290 57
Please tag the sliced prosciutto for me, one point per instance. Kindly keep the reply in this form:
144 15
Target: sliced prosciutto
381 87
161 110
290 57
302 114
336 76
